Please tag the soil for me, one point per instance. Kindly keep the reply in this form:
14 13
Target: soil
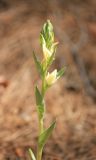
75 134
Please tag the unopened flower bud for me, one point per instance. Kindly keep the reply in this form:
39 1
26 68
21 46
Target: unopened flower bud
51 78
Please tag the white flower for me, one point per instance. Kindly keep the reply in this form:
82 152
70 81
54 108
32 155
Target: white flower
51 77
47 53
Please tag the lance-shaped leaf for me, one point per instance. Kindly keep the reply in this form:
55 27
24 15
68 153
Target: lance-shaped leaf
45 135
39 103
32 154
60 73
50 60
38 64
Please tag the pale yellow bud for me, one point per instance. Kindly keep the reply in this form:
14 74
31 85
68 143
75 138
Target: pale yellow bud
46 52
51 77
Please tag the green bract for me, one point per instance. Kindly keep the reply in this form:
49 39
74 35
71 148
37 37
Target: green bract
47 34
48 79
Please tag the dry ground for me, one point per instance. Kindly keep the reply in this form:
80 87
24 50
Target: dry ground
75 134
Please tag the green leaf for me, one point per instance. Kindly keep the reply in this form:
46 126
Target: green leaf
39 103
38 64
45 135
32 154
60 73
39 98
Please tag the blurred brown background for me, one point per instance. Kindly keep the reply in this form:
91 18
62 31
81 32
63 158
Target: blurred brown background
72 99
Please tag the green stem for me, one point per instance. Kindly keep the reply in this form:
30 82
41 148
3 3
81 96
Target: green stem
41 123
39 155
41 128
43 86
